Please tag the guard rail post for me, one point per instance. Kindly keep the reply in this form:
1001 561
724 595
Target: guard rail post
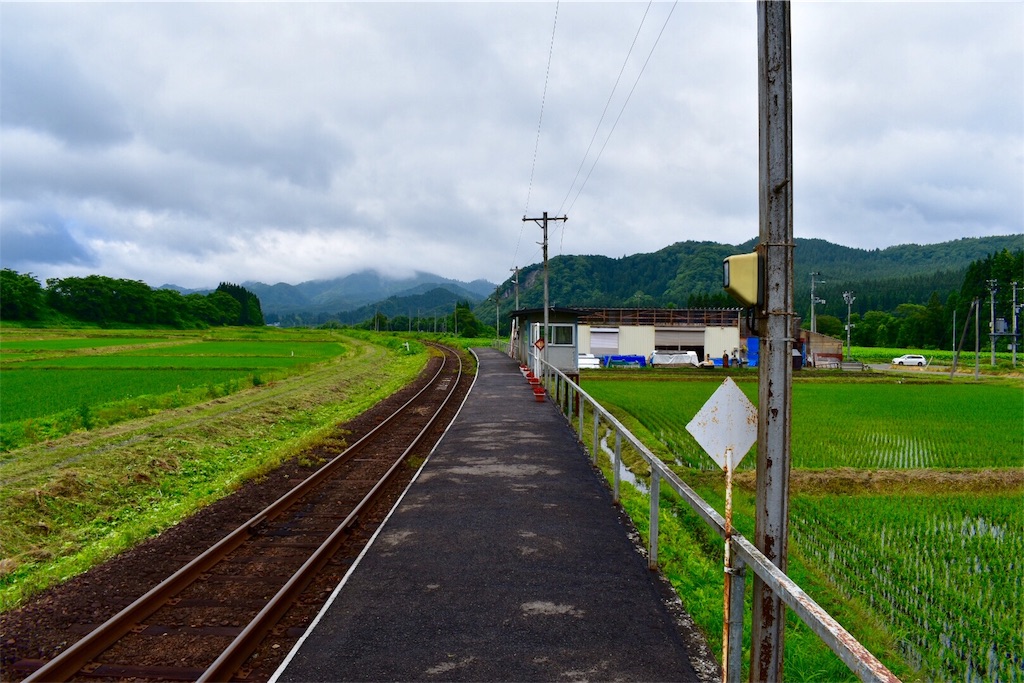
582 404
617 464
652 542
734 649
860 661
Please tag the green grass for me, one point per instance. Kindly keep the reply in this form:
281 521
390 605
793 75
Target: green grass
875 425
44 392
943 358
691 556
45 345
70 503
929 580
945 570
54 386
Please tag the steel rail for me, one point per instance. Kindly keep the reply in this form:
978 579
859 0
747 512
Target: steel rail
236 654
70 661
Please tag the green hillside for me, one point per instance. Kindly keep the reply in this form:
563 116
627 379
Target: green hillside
689 274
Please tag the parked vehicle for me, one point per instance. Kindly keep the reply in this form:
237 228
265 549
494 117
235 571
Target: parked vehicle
910 359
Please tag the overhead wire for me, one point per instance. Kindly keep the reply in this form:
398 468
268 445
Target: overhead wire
616 122
607 104
540 121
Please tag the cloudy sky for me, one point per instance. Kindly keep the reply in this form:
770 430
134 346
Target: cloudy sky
198 143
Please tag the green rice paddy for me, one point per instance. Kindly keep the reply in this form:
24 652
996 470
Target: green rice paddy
939 569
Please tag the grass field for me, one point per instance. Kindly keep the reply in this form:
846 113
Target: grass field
879 425
68 502
923 565
52 386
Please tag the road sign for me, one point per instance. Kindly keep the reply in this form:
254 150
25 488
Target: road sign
540 344
726 428
727 422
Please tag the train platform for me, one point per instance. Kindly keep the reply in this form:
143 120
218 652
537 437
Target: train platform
505 560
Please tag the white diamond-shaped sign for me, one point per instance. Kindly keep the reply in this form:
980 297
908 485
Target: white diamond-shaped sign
727 421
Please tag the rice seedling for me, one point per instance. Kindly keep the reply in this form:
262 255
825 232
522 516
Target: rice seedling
941 571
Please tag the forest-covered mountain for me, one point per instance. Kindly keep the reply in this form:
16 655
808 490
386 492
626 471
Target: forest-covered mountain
412 308
317 301
689 275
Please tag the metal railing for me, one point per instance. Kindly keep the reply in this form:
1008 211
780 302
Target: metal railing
569 397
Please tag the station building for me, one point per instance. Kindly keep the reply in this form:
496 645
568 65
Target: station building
603 332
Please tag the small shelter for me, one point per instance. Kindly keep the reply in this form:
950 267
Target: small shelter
560 347
821 350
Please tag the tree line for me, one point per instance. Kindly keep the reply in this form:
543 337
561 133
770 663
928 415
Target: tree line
931 325
460 322
106 301
908 301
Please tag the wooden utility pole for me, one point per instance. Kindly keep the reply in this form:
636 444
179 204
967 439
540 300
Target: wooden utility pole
775 371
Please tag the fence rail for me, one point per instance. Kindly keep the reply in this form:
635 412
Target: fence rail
570 397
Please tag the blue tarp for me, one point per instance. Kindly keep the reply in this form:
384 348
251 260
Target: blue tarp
611 361
753 351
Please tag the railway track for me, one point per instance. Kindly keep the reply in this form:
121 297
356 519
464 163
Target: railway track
206 621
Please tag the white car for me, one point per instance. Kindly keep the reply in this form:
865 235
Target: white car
910 359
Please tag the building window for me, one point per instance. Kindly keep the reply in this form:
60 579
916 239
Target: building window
561 335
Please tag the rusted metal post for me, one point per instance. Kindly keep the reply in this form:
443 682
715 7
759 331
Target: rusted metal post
734 650
775 373
727 674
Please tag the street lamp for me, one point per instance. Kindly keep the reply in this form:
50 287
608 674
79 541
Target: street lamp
849 298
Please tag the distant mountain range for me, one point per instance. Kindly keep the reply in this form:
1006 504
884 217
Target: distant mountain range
682 275
356 297
689 275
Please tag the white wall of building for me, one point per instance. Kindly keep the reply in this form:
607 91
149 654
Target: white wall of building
719 339
583 336
640 340
636 341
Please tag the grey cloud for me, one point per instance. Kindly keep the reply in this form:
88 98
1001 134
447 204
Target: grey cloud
40 240
45 91
302 153
306 138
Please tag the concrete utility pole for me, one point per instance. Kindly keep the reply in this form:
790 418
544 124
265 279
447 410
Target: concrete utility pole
992 289
497 312
977 339
515 281
1016 313
849 298
543 223
815 300
775 371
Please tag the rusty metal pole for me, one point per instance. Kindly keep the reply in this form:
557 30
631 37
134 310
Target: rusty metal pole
775 373
728 674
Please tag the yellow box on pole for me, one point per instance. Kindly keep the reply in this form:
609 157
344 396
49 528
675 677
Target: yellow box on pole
743 277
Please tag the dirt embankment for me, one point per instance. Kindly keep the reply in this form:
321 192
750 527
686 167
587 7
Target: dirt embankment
847 480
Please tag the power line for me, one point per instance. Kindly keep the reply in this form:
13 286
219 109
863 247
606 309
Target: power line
630 95
606 105
540 120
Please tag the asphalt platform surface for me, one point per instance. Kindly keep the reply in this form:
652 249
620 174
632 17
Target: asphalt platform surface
506 560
